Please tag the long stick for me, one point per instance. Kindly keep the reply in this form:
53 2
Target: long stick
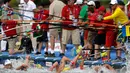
18 34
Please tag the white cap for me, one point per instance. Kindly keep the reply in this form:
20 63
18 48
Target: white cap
91 3
113 2
7 62
21 1
79 2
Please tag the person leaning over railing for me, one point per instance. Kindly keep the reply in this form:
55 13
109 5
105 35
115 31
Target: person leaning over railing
55 10
70 13
119 18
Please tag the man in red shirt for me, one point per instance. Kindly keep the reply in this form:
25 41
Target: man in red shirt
105 35
42 15
100 37
110 35
92 13
70 12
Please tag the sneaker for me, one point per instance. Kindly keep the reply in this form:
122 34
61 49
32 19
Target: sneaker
123 59
88 59
38 53
46 54
62 54
51 55
96 59
117 60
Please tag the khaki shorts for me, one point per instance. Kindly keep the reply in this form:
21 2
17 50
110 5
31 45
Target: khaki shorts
54 32
91 36
12 43
25 27
71 34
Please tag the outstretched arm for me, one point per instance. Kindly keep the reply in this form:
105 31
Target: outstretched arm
115 14
62 64
109 67
25 65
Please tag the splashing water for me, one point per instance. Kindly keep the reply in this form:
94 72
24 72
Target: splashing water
17 63
127 68
87 69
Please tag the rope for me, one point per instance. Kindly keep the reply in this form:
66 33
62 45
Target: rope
104 25
37 12
55 24
119 48
19 34
90 55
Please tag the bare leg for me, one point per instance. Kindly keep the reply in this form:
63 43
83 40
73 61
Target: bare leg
46 46
63 48
96 51
60 34
118 51
85 42
108 53
90 46
40 46
52 42
11 51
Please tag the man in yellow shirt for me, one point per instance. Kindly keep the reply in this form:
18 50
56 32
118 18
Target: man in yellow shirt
120 18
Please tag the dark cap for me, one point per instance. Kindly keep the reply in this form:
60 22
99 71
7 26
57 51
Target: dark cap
121 3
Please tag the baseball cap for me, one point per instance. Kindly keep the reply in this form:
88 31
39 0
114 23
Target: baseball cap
113 2
7 62
121 3
79 2
91 3
102 8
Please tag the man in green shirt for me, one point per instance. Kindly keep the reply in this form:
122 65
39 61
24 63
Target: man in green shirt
83 18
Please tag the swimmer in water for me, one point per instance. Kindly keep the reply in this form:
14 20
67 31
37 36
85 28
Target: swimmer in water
104 69
78 61
24 66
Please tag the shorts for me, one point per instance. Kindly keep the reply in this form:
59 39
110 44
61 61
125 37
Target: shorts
54 32
100 39
85 34
43 38
12 43
91 36
120 37
110 38
73 35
